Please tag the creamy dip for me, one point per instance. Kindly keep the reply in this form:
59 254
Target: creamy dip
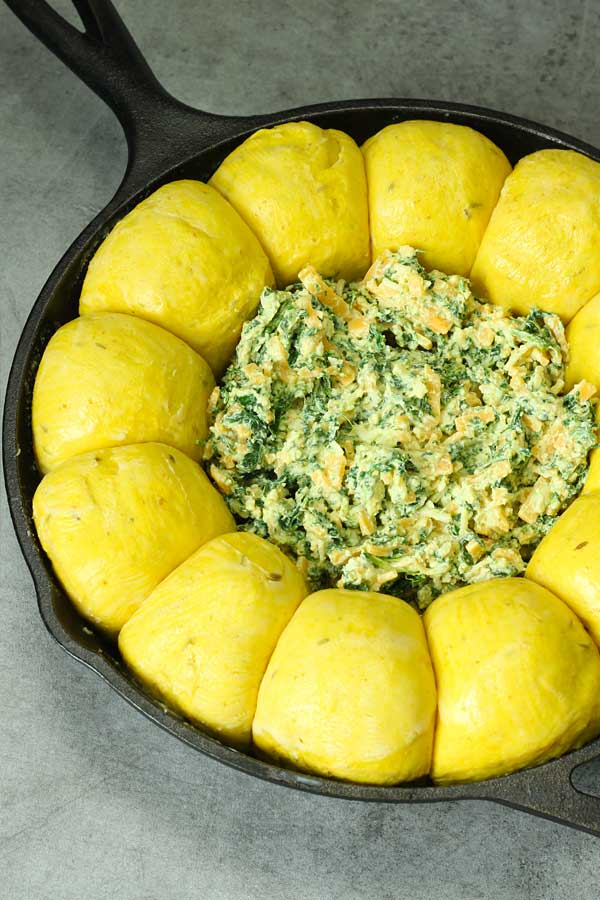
398 434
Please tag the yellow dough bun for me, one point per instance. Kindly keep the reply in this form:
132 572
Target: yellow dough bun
203 638
592 481
541 247
111 379
567 561
432 185
349 691
303 192
518 679
583 337
115 522
184 259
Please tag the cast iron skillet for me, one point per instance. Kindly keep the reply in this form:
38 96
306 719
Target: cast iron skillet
168 140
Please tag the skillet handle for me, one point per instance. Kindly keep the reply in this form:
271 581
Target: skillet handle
158 127
548 791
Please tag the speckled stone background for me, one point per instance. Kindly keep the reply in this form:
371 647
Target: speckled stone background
95 801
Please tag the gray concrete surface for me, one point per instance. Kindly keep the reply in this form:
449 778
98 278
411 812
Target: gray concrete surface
95 801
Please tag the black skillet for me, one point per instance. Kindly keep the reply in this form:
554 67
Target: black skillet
168 140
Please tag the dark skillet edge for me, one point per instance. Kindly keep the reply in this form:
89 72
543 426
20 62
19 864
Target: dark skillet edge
545 790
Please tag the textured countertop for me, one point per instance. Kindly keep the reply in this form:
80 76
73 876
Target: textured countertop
95 801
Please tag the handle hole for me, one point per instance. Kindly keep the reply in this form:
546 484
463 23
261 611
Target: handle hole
586 778
67 10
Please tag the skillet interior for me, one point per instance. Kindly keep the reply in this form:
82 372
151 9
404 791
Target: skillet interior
545 789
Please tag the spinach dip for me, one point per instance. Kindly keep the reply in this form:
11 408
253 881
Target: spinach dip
398 434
